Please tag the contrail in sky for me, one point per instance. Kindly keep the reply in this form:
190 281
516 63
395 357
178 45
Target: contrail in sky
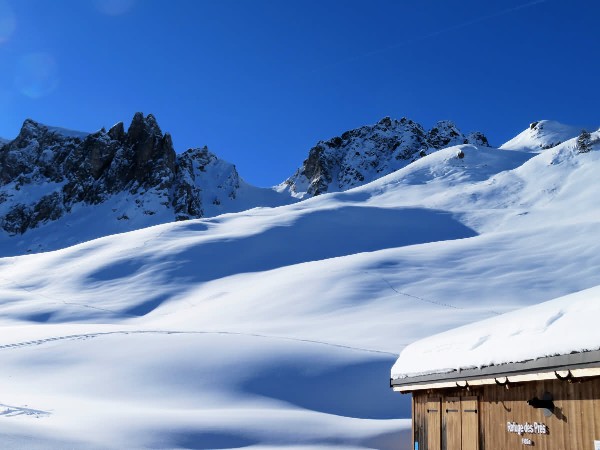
433 34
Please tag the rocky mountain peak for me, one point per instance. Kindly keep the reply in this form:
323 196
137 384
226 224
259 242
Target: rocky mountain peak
386 122
364 154
444 134
132 178
478 138
89 169
145 155
31 127
29 130
117 132
143 128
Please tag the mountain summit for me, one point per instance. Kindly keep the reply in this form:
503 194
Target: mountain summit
541 135
49 173
362 155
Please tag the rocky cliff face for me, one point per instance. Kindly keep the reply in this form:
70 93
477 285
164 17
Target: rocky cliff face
46 172
370 152
203 179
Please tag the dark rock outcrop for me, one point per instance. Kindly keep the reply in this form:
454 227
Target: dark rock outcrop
370 152
140 163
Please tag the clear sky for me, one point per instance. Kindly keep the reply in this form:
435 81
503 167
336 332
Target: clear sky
261 81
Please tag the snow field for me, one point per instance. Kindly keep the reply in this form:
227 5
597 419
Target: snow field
277 327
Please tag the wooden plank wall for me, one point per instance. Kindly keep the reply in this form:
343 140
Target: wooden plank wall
451 423
427 422
419 420
434 423
574 425
469 407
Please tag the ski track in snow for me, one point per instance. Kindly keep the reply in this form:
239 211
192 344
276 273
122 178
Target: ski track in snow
72 337
421 299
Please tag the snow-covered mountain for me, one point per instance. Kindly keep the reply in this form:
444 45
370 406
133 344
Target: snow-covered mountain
541 135
60 187
362 155
277 327
63 187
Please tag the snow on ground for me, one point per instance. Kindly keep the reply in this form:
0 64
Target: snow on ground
277 327
81 224
198 390
545 329
120 213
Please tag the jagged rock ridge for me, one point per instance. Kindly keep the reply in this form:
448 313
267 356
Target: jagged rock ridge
370 152
46 172
54 180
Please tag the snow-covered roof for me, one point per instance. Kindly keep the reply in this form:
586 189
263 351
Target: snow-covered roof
562 326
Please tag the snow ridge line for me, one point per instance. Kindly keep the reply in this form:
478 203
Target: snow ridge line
230 333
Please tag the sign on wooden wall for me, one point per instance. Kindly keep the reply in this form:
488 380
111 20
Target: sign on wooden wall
526 428
529 428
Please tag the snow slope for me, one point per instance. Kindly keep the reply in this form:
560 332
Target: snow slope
120 213
541 135
277 327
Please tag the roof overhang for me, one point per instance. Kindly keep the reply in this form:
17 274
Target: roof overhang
572 366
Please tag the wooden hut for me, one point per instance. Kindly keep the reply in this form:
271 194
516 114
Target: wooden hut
529 378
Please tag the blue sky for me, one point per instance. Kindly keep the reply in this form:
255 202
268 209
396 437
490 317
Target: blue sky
261 81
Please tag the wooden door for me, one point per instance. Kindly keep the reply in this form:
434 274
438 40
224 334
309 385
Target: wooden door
469 412
433 424
451 424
